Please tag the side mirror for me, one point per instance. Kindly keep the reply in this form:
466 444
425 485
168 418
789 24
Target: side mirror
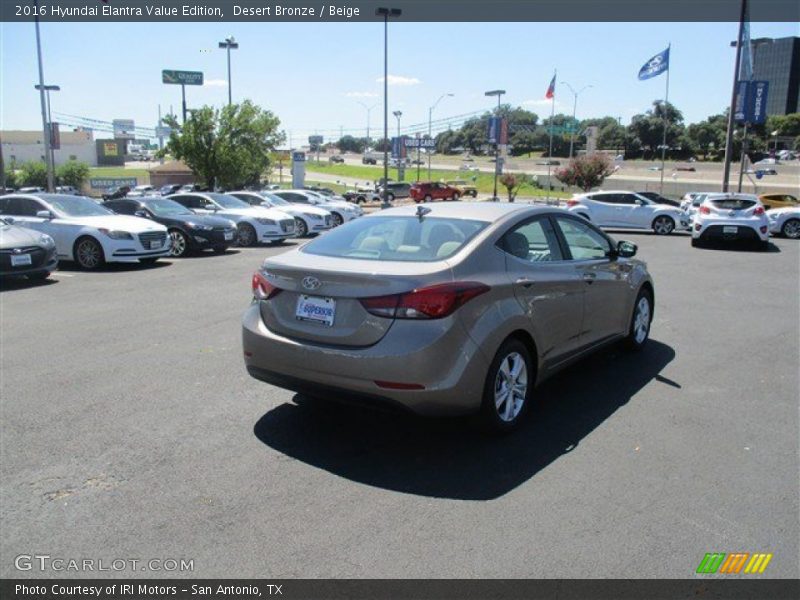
141 213
44 214
626 249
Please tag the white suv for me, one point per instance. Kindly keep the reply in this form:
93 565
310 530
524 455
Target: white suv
731 217
628 210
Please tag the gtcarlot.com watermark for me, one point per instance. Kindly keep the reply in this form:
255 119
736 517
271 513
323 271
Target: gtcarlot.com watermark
45 562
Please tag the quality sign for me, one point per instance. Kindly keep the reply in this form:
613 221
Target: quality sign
182 77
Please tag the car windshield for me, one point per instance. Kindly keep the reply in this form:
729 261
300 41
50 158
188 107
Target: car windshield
167 208
276 200
733 204
404 239
78 206
226 201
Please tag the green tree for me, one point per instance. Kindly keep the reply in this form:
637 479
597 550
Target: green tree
648 128
228 148
33 173
73 173
348 143
586 172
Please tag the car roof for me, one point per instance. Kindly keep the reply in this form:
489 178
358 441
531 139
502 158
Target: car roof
480 211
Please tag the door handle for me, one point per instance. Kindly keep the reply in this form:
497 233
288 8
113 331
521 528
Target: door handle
524 282
589 277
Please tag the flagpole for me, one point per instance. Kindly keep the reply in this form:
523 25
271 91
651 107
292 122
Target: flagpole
666 122
552 116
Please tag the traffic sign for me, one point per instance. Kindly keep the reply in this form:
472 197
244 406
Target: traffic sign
182 77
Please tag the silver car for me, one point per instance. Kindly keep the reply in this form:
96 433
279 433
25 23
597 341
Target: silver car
445 309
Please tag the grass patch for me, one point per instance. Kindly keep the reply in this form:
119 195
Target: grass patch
368 174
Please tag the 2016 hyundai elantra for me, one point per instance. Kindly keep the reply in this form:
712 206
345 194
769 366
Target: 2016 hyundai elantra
444 309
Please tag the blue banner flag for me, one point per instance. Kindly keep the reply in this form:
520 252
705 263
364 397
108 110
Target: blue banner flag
655 66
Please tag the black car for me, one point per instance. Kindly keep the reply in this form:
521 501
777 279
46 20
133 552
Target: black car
659 199
116 192
188 231
25 252
170 188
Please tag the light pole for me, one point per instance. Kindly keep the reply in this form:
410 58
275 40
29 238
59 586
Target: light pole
574 111
229 44
430 126
47 90
45 125
369 110
497 93
386 13
398 114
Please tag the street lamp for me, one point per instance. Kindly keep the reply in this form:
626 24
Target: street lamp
386 13
398 114
574 110
497 93
45 125
229 44
430 128
47 89
369 110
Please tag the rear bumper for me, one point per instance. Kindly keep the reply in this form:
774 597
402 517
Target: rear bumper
441 358
744 231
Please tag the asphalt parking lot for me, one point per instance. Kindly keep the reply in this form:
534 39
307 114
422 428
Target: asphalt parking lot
129 429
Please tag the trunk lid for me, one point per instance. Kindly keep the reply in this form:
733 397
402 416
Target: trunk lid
321 303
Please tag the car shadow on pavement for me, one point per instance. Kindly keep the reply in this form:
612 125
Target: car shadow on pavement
116 267
453 458
739 247
22 283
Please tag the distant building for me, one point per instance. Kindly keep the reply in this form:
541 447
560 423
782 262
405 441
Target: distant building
779 63
25 146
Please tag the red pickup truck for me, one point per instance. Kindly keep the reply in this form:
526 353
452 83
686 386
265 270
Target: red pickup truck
430 191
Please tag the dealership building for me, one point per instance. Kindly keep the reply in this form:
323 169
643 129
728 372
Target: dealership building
25 146
778 61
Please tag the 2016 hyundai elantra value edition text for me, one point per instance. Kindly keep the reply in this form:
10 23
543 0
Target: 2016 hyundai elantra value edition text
444 309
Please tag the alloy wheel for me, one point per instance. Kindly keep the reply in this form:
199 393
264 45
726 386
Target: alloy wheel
300 227
337 219
178 247
89 254
510 386
663 225
791 229
247 235
641 322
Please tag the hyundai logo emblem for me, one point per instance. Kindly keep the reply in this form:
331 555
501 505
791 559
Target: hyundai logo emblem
17 251
311 283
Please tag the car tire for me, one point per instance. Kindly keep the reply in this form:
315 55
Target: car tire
390 197
247 235
179 246
791 229
220 249
506 395
300 227
663 225
428 198
39 276
89 253
697 243
455 197
361 200
337 219
641 319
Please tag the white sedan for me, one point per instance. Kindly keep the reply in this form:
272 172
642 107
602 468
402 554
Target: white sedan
785 222
255 224
86 232
628 210
307 219
731 217
341 212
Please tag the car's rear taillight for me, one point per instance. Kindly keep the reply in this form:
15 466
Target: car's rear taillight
433 302
572 203
263 289
704 210
758 211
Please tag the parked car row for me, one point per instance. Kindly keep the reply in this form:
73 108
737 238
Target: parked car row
40 229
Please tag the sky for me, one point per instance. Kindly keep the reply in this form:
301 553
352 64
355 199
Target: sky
313 76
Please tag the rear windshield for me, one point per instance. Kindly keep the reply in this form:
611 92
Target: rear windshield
733 204
405 239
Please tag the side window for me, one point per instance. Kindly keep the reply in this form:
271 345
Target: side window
192 202
583 242
4 202
25 207
534 241
629 199
123 208
606 198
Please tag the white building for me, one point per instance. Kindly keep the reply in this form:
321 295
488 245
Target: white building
25 146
